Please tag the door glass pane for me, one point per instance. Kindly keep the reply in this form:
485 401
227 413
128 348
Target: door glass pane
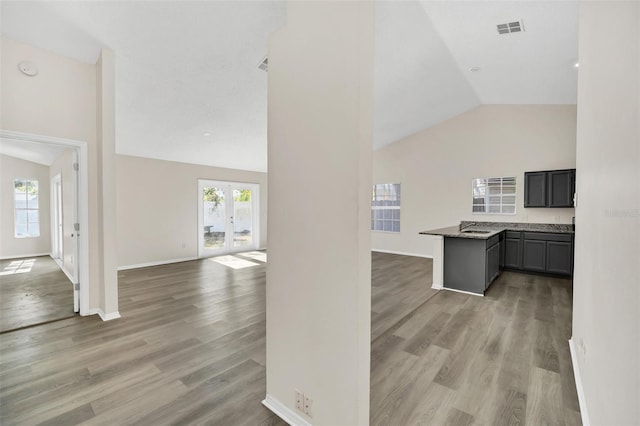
242 218
214 217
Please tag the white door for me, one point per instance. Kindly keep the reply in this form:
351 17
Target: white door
56 223
75 235
70 227
227 217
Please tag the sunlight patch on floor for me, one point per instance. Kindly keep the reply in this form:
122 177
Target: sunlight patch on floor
255 255
18 267
233 262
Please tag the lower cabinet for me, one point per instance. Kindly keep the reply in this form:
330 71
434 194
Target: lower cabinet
560 257
534 254
471 264
512 250
540 252
493 264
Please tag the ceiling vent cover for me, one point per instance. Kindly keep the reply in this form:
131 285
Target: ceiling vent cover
511 27
264 65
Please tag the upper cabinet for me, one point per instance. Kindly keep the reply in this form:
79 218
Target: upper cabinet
535 189
562 185
552 188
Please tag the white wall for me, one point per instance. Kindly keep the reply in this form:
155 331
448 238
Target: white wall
319 269
606 293
10 246
61 101
435 168
157 208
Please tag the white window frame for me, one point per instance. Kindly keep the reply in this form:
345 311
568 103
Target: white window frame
391 207
503 206
26 209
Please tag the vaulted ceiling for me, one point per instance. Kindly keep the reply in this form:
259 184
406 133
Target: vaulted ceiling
189 88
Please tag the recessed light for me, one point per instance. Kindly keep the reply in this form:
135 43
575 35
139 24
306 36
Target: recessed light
474 69
206 134
577 65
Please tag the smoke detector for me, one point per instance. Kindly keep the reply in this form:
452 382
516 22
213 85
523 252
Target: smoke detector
264 65
511 27
28 68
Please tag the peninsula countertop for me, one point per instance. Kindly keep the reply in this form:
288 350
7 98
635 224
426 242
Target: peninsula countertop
489 229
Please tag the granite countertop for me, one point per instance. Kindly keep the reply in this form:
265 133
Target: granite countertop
495 228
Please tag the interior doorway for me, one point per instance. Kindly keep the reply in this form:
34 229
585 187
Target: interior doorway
227 217
68 209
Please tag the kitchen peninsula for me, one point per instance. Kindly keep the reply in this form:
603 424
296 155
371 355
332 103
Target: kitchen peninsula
473 254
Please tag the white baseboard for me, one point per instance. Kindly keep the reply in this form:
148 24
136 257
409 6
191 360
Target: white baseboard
23 256
462 291
286 414
105 317
403 253
58 261
576 374
157 263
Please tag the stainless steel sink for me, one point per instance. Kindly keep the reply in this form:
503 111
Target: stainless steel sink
475 231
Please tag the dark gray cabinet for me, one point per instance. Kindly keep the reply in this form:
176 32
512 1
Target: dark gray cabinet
561 186
534 254
493 264
560 257
552 188
535 189
471 264
502 250
513 250
539 252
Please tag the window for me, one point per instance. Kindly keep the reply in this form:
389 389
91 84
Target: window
385 207
27 216
494 195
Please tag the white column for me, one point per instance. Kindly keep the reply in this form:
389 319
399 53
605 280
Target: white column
105 91
320 157
606 283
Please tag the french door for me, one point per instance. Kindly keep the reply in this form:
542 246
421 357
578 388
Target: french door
227 217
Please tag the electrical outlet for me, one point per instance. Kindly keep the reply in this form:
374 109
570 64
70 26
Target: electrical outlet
184 245
299 400
308 403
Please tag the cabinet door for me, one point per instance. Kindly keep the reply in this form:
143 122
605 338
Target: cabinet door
561 185
535 189
512 257
534 255
559 257
493 263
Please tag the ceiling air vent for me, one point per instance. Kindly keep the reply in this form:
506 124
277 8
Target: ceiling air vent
511 27
264 65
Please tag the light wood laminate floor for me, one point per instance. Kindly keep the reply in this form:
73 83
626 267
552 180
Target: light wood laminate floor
33 290
460 359
190 349
399 284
